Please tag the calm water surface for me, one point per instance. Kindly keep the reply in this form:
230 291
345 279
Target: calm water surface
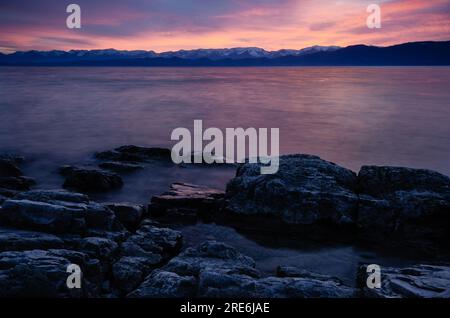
352 116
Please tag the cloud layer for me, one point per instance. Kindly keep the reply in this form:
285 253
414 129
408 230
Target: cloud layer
163 25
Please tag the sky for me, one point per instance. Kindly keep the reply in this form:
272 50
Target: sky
164 25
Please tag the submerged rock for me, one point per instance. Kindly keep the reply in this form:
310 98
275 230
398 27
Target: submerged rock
8 168
90 180
305 190
133 153
403 203
215 269
186 202
420 281
120 166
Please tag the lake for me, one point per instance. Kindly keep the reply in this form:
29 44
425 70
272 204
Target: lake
352 116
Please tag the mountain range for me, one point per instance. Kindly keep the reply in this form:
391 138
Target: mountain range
413 53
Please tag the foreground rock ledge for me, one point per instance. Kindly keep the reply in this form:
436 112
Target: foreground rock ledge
215 269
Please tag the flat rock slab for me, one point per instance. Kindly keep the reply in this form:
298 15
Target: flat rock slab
186 201
19 240
57 211
420 281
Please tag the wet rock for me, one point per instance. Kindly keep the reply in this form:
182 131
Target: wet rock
135 154
129 271
18 240
98 247
57 211
142 252
90 180
305 190
186 201
420 281
214 269
9 169
40 273
404 204
163 284
130 215
120 166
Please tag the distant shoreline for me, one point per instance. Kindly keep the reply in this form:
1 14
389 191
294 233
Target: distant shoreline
407 54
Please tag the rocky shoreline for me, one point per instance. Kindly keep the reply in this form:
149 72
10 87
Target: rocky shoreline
131 250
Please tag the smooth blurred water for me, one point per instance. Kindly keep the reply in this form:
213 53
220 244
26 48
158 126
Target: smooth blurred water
349 115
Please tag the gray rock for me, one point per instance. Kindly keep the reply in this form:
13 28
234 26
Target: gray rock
163 284
405 204
186 202
130 215
419 281
142 252
305 190
214 269
18 240
57 211
44 216
40 273
90 180
100 248
135 154
130 271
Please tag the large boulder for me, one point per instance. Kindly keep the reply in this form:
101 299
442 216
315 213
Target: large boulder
39 273
215 269
90 180
419 281
404 204
132 154
186 202
57 211
305 190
